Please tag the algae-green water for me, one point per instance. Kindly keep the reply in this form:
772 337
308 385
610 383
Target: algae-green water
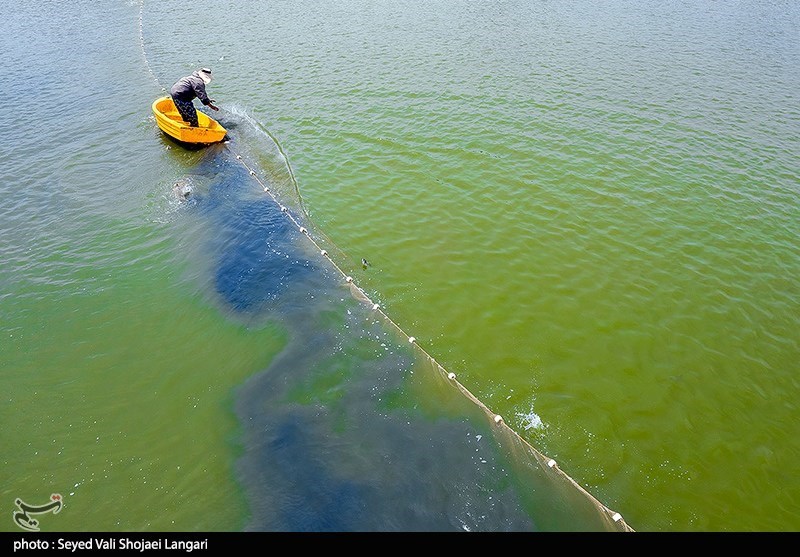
588 211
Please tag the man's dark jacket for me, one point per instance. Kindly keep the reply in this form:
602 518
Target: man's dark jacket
190 87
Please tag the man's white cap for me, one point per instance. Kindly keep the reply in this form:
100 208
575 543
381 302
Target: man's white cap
205 75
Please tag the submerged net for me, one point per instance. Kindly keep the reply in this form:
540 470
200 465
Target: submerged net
353 426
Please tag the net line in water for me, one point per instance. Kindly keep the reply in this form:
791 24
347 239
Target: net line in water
578 494
359 294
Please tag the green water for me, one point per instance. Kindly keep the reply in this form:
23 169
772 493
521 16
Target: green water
100 417
588 211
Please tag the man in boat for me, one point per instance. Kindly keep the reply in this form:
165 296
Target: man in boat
189 88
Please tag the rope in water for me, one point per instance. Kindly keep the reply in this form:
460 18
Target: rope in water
288 166
144 52
359 294
263 128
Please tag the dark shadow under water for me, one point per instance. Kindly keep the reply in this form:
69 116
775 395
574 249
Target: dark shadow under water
352 428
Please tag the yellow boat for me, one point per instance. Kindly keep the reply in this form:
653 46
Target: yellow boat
170 122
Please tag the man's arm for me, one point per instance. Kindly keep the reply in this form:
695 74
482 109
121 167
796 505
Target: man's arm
200 89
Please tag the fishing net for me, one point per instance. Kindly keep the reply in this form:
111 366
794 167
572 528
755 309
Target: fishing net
353 426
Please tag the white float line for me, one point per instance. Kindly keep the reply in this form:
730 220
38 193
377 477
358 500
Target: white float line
324 253
498 419
452 376
411 339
